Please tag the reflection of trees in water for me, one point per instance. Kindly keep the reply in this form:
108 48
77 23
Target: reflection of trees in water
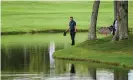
113 74
34 58
121 74
12 58
92 72
60 66
26 58
81 70
104 74
3 58
39 59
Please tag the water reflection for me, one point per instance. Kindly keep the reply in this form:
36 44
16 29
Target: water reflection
51 51
104 74
25 59
121 74
130 75
35 62
94 73
72 71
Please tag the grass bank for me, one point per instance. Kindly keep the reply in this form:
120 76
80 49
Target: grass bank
49 31
28 39
40 31
40 16
103 50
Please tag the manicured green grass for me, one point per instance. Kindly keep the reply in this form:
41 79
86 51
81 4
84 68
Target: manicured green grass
42 39
103 50
41 15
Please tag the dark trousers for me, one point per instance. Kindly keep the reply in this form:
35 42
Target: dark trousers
72 34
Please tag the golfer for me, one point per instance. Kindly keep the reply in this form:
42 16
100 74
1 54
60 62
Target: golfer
72 29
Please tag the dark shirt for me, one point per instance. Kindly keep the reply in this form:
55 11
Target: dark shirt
72 25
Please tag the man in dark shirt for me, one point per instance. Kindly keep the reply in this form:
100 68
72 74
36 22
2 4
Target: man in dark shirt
72 29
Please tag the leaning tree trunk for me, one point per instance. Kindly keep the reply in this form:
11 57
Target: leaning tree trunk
116 36
122 17
92 30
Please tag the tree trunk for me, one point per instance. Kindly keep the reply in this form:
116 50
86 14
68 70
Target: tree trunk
123 13
126 8
115 10
116 36
92 32
122 17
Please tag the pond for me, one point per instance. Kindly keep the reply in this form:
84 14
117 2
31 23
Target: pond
29 57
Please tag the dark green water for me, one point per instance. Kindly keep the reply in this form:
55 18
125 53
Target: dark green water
35 62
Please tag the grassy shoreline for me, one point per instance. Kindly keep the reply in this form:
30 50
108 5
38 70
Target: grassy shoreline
46 31
101 51
40 31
